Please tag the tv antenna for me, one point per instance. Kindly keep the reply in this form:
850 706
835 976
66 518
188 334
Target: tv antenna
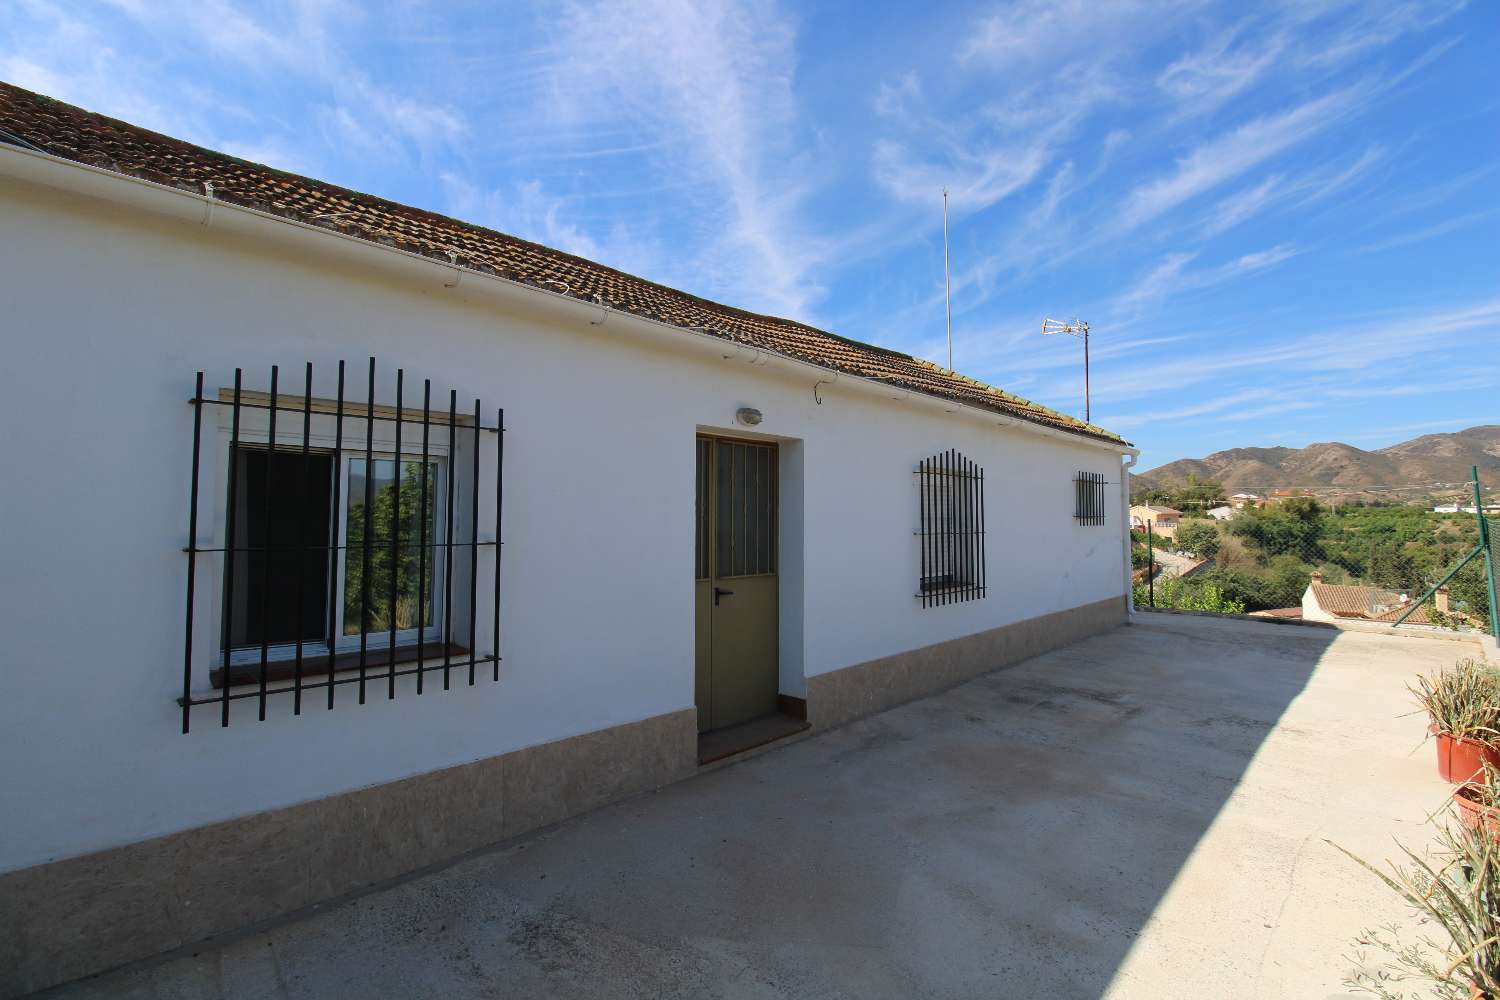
947 281
1077 328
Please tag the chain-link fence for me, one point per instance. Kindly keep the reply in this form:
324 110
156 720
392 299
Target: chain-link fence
1293 554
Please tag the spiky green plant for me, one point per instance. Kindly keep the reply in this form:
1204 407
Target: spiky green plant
1463 702
1454 888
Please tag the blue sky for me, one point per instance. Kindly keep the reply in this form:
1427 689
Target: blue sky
1279 218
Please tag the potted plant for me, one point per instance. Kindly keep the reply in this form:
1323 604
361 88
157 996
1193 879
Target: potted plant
1454 889
1477 805
1463 712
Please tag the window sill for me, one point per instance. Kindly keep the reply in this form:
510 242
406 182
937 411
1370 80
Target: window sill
376 660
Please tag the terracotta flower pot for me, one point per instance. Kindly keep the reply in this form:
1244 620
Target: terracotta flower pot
1462 760
1475 814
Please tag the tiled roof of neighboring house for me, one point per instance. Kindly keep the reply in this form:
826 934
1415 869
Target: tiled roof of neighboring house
1278 613
75 134
1162 510
1362 602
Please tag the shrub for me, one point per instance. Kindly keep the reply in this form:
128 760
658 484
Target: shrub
1279 584
1454 888
1189 595
1463 702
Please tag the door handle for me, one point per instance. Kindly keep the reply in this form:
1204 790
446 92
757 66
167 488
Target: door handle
720 592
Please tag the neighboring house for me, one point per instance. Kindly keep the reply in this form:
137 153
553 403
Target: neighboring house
260 655
1242 500
1286 613
1163 519
1326 602
1223 513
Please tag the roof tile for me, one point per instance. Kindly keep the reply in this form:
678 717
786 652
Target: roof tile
1363 602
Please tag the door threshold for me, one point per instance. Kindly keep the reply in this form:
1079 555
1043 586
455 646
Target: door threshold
725 743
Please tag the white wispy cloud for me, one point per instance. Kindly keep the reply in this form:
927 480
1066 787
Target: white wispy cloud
1031 33
896 96
1242 206
1429 232
1283 190
1171 275
1398 433
974 179
1226 156
1369 25
76 57
1306 350
1216 404
717 91
1203 80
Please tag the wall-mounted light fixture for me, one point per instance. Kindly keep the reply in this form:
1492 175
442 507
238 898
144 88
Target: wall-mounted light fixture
748 415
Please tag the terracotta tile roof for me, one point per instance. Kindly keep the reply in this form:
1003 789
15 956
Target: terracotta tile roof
75 134
1362 602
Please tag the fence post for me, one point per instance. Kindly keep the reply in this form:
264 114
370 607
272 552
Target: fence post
1489 554
1150 564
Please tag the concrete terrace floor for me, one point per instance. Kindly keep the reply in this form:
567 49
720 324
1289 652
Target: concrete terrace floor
1139 815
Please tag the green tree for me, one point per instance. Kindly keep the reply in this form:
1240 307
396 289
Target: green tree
1290 528
1200 538
1198 494
1468 593
1279 584
1392 567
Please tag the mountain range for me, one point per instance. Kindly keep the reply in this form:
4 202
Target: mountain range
1426 465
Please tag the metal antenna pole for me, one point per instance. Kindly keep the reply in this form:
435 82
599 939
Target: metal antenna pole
1076 328
947 280
1087 415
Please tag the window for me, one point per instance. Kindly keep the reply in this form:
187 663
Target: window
404 547
281 571
1088 498
950 499
349 538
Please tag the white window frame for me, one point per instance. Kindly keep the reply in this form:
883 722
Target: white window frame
254 431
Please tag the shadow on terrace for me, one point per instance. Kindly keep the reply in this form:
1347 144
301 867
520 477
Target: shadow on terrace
1140 814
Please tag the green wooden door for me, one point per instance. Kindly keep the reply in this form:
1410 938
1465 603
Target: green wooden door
736 589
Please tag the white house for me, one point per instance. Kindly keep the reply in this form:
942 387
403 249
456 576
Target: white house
248 669
1221 513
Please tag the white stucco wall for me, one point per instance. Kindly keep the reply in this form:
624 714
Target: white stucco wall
108 313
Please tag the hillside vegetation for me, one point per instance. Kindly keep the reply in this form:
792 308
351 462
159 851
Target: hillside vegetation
1264 558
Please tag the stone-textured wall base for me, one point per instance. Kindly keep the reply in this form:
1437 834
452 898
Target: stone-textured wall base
70 918
842 696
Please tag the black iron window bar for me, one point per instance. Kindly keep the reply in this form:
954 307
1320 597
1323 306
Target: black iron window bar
1088 498
950 491
226 679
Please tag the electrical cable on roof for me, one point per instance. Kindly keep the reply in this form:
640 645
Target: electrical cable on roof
17 140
